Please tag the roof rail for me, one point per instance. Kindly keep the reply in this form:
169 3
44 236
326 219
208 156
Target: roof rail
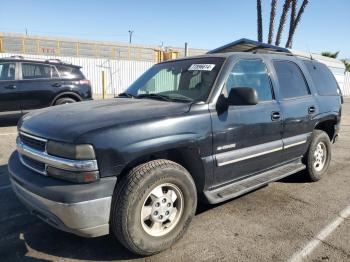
271 52
262 51
55 60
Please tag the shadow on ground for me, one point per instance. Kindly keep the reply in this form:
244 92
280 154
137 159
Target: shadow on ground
34 240
52 242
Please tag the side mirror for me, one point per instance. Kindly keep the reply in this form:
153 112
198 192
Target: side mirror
242 96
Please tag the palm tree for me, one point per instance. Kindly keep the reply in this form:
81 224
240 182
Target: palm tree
283 18
272 20
347 65
335 55
330 54
260 30
296 22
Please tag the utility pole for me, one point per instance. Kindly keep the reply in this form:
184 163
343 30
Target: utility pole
186 49
130 36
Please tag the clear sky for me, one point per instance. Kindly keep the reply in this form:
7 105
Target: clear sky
203 24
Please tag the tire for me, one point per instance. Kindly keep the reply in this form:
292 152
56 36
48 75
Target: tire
64 100
138 191
317 166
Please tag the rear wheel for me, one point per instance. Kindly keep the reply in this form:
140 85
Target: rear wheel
318 156
64 100
153 206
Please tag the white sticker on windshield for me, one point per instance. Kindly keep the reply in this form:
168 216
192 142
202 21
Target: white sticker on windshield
201 67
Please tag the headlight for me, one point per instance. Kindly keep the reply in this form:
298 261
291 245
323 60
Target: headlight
70 151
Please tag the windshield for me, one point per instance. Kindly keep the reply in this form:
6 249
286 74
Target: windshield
187 80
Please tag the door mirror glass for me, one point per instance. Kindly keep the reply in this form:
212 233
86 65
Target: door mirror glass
242 96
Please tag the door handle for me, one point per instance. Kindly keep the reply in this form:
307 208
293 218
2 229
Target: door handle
275 116
56 84
311 110
10 87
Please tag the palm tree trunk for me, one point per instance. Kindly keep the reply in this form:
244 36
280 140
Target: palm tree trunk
293 15
259 15
285 10
272 20
289 43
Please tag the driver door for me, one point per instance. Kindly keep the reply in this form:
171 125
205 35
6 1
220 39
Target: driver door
247 139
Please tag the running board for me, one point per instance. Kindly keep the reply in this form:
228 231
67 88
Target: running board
243 186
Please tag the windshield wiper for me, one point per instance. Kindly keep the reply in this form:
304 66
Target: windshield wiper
128 95
155 96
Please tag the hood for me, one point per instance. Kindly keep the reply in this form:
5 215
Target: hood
67 122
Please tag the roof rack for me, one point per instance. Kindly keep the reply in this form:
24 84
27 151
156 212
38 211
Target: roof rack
262 51
247 45
272 52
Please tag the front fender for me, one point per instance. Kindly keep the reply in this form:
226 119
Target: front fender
120 145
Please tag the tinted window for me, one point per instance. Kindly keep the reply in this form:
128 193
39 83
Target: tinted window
69 72
323 78
291 80
37 71
7 71
251 73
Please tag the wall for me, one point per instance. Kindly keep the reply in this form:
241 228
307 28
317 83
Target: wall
346 86
120 73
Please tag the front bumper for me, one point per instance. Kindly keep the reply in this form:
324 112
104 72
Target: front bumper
82 209
87 219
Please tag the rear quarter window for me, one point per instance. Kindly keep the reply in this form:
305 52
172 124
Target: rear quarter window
68 72
292 83
323 78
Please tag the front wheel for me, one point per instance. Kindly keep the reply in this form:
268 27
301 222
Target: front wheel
153 206
318 156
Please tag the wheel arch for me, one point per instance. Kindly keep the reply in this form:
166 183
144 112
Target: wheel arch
327 125
66 94
187 157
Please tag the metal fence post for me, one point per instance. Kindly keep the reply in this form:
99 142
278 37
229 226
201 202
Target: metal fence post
104 84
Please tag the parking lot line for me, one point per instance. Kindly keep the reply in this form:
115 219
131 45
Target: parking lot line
325 232
8 134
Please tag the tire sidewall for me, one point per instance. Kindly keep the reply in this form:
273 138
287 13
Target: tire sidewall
62 101
319 136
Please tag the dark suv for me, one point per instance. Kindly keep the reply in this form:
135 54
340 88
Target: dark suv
211 128
31 84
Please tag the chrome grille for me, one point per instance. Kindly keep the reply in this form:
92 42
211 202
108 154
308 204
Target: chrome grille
32 141
36 143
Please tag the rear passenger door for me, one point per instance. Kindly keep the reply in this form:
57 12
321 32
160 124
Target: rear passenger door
298 108
38 85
